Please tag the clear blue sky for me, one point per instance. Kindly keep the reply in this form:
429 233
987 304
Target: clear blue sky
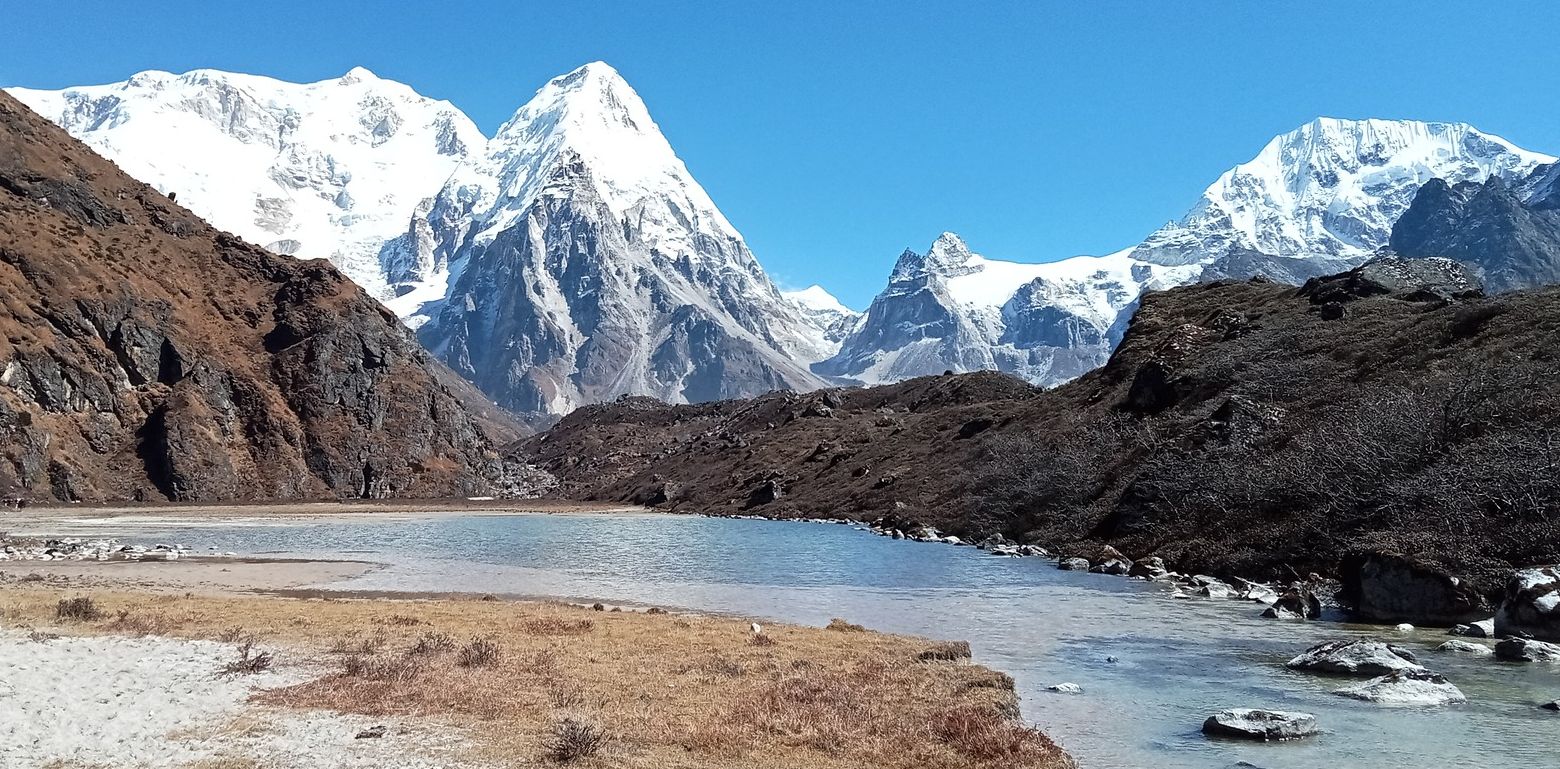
835 134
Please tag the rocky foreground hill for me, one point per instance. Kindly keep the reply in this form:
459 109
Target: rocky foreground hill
1391 414
146 355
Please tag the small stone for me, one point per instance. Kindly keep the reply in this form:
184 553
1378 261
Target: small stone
1404 627
1065 688
372 733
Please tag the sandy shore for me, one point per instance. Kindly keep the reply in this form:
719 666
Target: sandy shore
204 576
83 520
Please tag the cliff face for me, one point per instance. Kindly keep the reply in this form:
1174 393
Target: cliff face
145 355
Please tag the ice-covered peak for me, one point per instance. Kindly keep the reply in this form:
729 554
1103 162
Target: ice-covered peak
1331 189
590 118
357 75
329 169
816 297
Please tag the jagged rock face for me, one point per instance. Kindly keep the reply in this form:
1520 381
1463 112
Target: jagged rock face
1509 233
315 170
577 261
951 309
1331 189
144 355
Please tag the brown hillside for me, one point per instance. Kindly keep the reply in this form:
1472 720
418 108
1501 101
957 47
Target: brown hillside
145 355
1246 428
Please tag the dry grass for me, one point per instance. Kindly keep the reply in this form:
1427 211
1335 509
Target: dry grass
656 691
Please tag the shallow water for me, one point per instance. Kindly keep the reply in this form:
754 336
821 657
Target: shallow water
1177 660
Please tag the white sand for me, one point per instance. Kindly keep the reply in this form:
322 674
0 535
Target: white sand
158 702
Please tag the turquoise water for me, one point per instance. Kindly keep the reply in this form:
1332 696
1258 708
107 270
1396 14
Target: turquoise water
1177 661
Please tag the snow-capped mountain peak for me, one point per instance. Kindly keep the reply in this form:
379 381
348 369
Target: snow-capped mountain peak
816 297
592 117
330 169
1331 189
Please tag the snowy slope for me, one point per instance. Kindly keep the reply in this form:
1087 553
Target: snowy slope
1331 188
952 309
330 169
1317 200
576 260
832 320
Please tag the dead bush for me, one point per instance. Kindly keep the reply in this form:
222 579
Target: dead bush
397 669
844 627
249 661
479 653
945 651
79 609
575 737
557 626
432 643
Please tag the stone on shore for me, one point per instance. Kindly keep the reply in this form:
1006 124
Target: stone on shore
1407 687
1073 564
1386 587
1526 650
1531 604
1262 725
1111 561
1355 658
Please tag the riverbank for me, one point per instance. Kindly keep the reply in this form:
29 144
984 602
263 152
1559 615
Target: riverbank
467 682
73 519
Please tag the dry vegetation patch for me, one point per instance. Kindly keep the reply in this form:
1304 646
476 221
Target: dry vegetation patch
552 683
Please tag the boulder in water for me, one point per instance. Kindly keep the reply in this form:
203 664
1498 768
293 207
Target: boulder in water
1526 650
1355 658
1407 687
1482 629
1073 564
1465 647
1065 688
1531 604
1262 725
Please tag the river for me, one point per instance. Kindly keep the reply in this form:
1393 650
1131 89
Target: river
1151 668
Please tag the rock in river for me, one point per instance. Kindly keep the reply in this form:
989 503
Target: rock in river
1264 725
1482 629
1355 658
1065 688
1531 605
1526 650
1465 647
1073 564
1407 687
